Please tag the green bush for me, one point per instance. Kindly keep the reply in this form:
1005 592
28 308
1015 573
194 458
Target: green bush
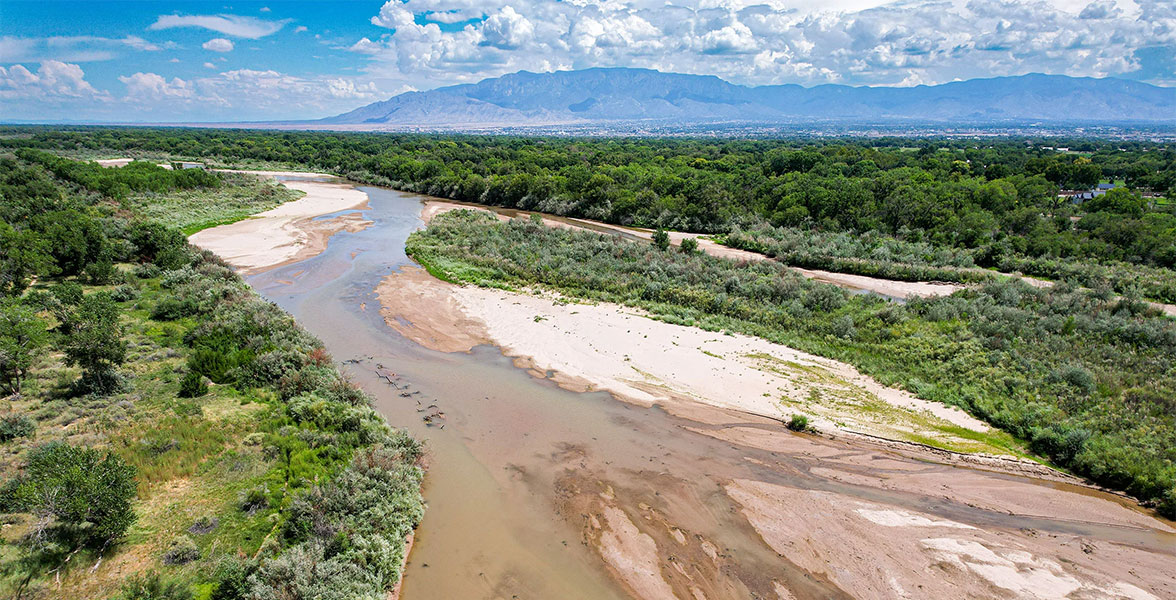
232 579
124 293
181 551
661 239
798 422
16 426
154 587
193 385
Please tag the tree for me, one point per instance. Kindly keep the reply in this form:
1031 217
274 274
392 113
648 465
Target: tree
22 255
22 334
661 239
79 497
95 343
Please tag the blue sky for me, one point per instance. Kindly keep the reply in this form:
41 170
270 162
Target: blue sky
132 61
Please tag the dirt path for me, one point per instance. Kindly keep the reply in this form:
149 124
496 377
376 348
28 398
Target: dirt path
291 232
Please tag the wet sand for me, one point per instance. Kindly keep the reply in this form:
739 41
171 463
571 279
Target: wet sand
291 232
535 491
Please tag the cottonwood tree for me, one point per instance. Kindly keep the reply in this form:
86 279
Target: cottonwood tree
79 498
95 343
22 335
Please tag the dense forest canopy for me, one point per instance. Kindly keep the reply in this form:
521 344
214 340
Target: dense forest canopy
1000 196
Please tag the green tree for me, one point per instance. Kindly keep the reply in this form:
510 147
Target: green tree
22 335
77 494
95 343
22 255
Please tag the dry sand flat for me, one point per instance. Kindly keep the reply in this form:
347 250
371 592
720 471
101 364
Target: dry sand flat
290 232
621 350
872 550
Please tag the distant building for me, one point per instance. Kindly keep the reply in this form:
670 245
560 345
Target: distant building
1080 196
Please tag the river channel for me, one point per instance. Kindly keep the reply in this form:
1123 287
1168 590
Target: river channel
534 491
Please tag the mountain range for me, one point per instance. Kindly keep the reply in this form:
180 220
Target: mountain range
613 95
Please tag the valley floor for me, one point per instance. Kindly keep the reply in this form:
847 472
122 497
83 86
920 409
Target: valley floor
1021 531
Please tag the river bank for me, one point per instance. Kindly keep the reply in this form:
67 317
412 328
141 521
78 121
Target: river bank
291 232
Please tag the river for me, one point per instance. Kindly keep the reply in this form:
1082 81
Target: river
538 492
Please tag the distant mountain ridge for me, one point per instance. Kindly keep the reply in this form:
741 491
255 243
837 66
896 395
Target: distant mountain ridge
603 95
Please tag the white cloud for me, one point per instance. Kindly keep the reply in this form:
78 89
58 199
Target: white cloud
766 41
209 65
218 45
265 9
13 49
300 29
149 86
237 26
76 48
507 29
54 81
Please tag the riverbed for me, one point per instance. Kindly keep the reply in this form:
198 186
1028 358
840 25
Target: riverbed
536 491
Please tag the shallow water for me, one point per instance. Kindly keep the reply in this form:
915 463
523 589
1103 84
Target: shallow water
514 459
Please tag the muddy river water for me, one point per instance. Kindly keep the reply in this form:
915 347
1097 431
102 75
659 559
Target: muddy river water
538 492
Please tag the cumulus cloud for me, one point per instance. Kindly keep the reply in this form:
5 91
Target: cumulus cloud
250 28
149 86
54 81
218 45
766 41
507 29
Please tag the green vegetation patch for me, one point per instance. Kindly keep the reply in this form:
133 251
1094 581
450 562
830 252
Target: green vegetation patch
164 421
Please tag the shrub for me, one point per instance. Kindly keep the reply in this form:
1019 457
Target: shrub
844 328
101 272
154 587
147 271
193 385
16 426
124 293
798 422
232 579
171 308
689 246
253 499
217 362
661 239
182 551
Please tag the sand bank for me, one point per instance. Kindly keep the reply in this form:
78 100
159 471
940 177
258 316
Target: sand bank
290 232
873 550
619 349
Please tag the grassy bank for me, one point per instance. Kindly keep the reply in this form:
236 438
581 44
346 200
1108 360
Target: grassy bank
1084 378
251 467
